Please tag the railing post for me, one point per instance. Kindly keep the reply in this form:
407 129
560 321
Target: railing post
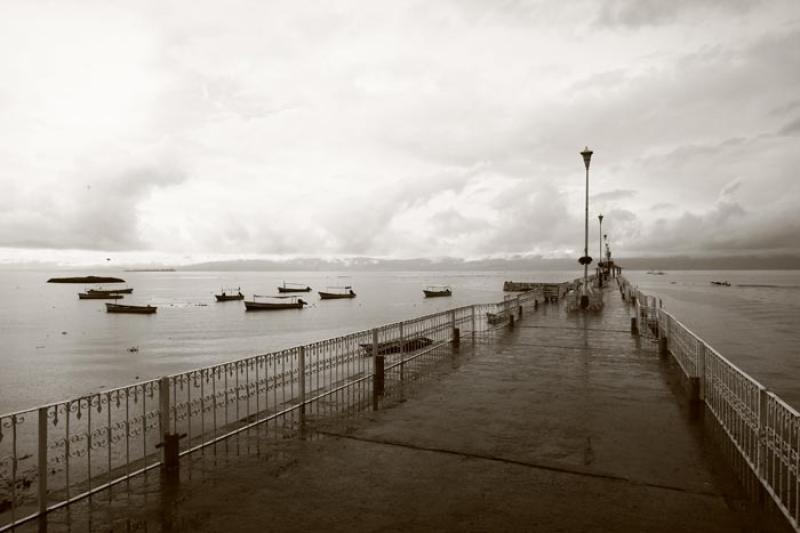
456 333
301 382
377 376
402 348
519 308
169 440
763 424
42 460
700 370
473 324
163 407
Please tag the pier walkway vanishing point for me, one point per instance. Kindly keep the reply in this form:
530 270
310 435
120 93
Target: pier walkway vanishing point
559 423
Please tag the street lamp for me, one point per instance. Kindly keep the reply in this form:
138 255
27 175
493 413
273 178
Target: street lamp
600 257
585 260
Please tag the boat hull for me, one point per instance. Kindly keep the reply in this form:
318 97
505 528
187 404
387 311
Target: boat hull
335 295
292 289
228 297
407 346
268 306
131 309
436 294
98 296
110 291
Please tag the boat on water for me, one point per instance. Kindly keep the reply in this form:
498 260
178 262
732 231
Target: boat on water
294 287
277 303
131 309
127 290
435 291
656 273
228 295
337 292
408 345
99 296
721 283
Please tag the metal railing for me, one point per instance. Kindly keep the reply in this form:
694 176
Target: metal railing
61 452
762 428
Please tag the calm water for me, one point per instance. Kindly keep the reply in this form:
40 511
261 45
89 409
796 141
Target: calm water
55 346
755 322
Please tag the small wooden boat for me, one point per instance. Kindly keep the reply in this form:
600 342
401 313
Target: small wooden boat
110 291
436 291
721 283
131 309
408 345
98 296
228 295
337 292
294 287
283 302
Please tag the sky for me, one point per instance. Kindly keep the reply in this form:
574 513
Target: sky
185 131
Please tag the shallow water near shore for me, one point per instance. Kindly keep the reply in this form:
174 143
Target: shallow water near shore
55 346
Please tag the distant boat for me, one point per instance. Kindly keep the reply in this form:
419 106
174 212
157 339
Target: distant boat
721 283
436 291
98 296
132 309
110 291
294 287
228 295
409 345
337 292
284 302
656 273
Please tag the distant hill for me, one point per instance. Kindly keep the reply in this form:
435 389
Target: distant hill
782 262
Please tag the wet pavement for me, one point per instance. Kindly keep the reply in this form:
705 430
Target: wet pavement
565 423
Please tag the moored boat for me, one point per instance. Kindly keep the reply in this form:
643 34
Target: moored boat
408 345
283 302
228 295
721 283
127 290
131 309
436 291
294 287
337 292
99 296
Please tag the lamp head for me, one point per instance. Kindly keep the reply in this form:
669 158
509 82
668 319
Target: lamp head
587 156
601 218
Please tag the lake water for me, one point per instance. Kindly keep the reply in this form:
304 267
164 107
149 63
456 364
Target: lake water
54 346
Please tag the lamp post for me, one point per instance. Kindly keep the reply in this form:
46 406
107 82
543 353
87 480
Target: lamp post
585 260
600 256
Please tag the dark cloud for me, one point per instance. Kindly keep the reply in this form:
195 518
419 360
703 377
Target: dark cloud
791 128
95 211
637 13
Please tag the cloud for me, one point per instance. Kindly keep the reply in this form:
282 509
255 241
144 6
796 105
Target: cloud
791 128
637 13
617 194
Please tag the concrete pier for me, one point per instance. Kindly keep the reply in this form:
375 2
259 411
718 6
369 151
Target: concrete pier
565 423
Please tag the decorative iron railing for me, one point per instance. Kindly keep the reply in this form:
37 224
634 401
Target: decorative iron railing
763 429
61 452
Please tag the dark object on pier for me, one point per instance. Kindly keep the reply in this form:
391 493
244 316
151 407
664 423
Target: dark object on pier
86 279
434 292
110 291
496 318
131 309
342 292
98 296
721 283
410 345
294 287
228 295
291 302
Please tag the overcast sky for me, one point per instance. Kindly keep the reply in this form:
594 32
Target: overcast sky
184 131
